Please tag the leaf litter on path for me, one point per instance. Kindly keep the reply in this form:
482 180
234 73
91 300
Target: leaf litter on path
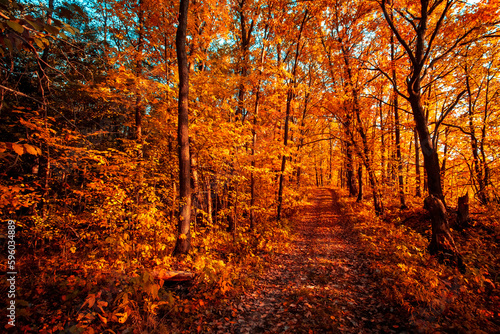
321 283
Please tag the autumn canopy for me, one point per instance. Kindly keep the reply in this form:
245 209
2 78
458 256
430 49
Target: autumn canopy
134 130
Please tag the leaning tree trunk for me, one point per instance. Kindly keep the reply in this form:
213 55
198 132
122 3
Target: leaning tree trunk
418 51
442 242
183 243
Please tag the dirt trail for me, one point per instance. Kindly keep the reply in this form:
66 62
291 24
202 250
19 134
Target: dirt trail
320 284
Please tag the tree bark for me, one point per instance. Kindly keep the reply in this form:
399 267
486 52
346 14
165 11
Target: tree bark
289 99
351 88
419 51
463 218
254 138
183 243
418 181
442 243
395 102
418 54
139 110
245 35
360 183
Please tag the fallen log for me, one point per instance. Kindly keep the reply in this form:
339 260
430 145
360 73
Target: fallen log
174 275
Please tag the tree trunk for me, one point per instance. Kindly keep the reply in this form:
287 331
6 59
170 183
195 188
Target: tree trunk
138 72
209 202
431 159
289 99
442 242
197 199
254 141
351 88
418 52
395 101
252 175
463 218
283 158
418 181
245 35
360 183
382 142
183 243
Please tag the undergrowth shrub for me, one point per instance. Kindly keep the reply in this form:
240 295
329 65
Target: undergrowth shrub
437 296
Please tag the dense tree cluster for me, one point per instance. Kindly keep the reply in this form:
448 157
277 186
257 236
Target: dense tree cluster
368 95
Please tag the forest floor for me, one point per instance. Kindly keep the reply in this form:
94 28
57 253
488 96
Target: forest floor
331 267
322 282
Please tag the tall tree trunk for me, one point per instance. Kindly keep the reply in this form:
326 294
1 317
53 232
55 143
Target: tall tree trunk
418 52
183 243
351 88
474 145
139 110
289 99
445 154
382 144
284 157
252 176
307 97
351 183
414 89
395 103
418 181
360 183
245 36
254 138
171 155
484 163
209 201
431 159
197 199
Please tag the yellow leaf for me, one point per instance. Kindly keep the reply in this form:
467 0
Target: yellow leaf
39 42
31 149
103 319
122 317
90 300
15 26
19 149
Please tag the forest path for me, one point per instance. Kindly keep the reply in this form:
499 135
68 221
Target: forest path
321 283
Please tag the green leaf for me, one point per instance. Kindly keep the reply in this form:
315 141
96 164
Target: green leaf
15 26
